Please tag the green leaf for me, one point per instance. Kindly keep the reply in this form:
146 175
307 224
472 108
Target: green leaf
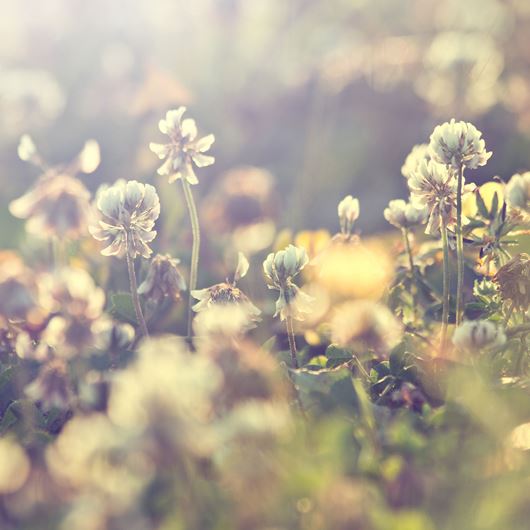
481 205
494 205
122 307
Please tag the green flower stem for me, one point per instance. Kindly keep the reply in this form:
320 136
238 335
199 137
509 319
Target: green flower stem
445 302
459 249
405 232
134 293
196 232
292 342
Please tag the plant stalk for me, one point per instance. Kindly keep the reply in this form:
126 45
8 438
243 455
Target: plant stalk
459 249
446 287
134 293
194 266
292 342
405 232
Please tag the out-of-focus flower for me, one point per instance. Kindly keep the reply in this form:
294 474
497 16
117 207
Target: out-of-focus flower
280 269
418 154
52 386
513 279
405 215
487 192
433 186
18 290
27 150
518 191
458 143
314 241
14 466
363 323
163 280
348 210
156 396
184 148
128 214
79 304
58 205
227 293
478 334
112 336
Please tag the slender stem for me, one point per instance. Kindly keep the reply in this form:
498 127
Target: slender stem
405 232
292 342
134 293
196 232
459 249
446 279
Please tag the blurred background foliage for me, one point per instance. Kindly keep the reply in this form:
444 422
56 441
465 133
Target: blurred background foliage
328 96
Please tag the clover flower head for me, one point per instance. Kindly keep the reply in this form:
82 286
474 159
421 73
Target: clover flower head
348 210
458 143
163 280
183 149
478 334
52 386
58 205
280 268
518 191
228 294
127 214
433 186
418 154
513 279
403 214
365 323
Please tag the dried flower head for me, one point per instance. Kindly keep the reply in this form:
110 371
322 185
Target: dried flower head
58 205
227 293
478 334
513 279
433 186
128 211
183 149
52 386
163 280
418 154
518 191
280 268
348 210
365 324
458 143
403 214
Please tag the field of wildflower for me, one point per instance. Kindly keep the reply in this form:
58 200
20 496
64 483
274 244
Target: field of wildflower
265 265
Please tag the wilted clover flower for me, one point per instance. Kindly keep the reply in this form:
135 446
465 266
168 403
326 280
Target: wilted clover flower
518 191
348 210
163 280
478 334
52 387
405 215
128 214
183 149
58 205
513 279
433 186
227 293
280 268
458 143
418 154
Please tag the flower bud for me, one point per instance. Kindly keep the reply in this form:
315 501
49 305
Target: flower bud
348 210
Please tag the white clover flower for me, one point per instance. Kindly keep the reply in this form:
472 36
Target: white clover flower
518 191
418 153
183 149
478 334
227 294
128 211
403 214
51 387
280 269
458 143
348 210
434 186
